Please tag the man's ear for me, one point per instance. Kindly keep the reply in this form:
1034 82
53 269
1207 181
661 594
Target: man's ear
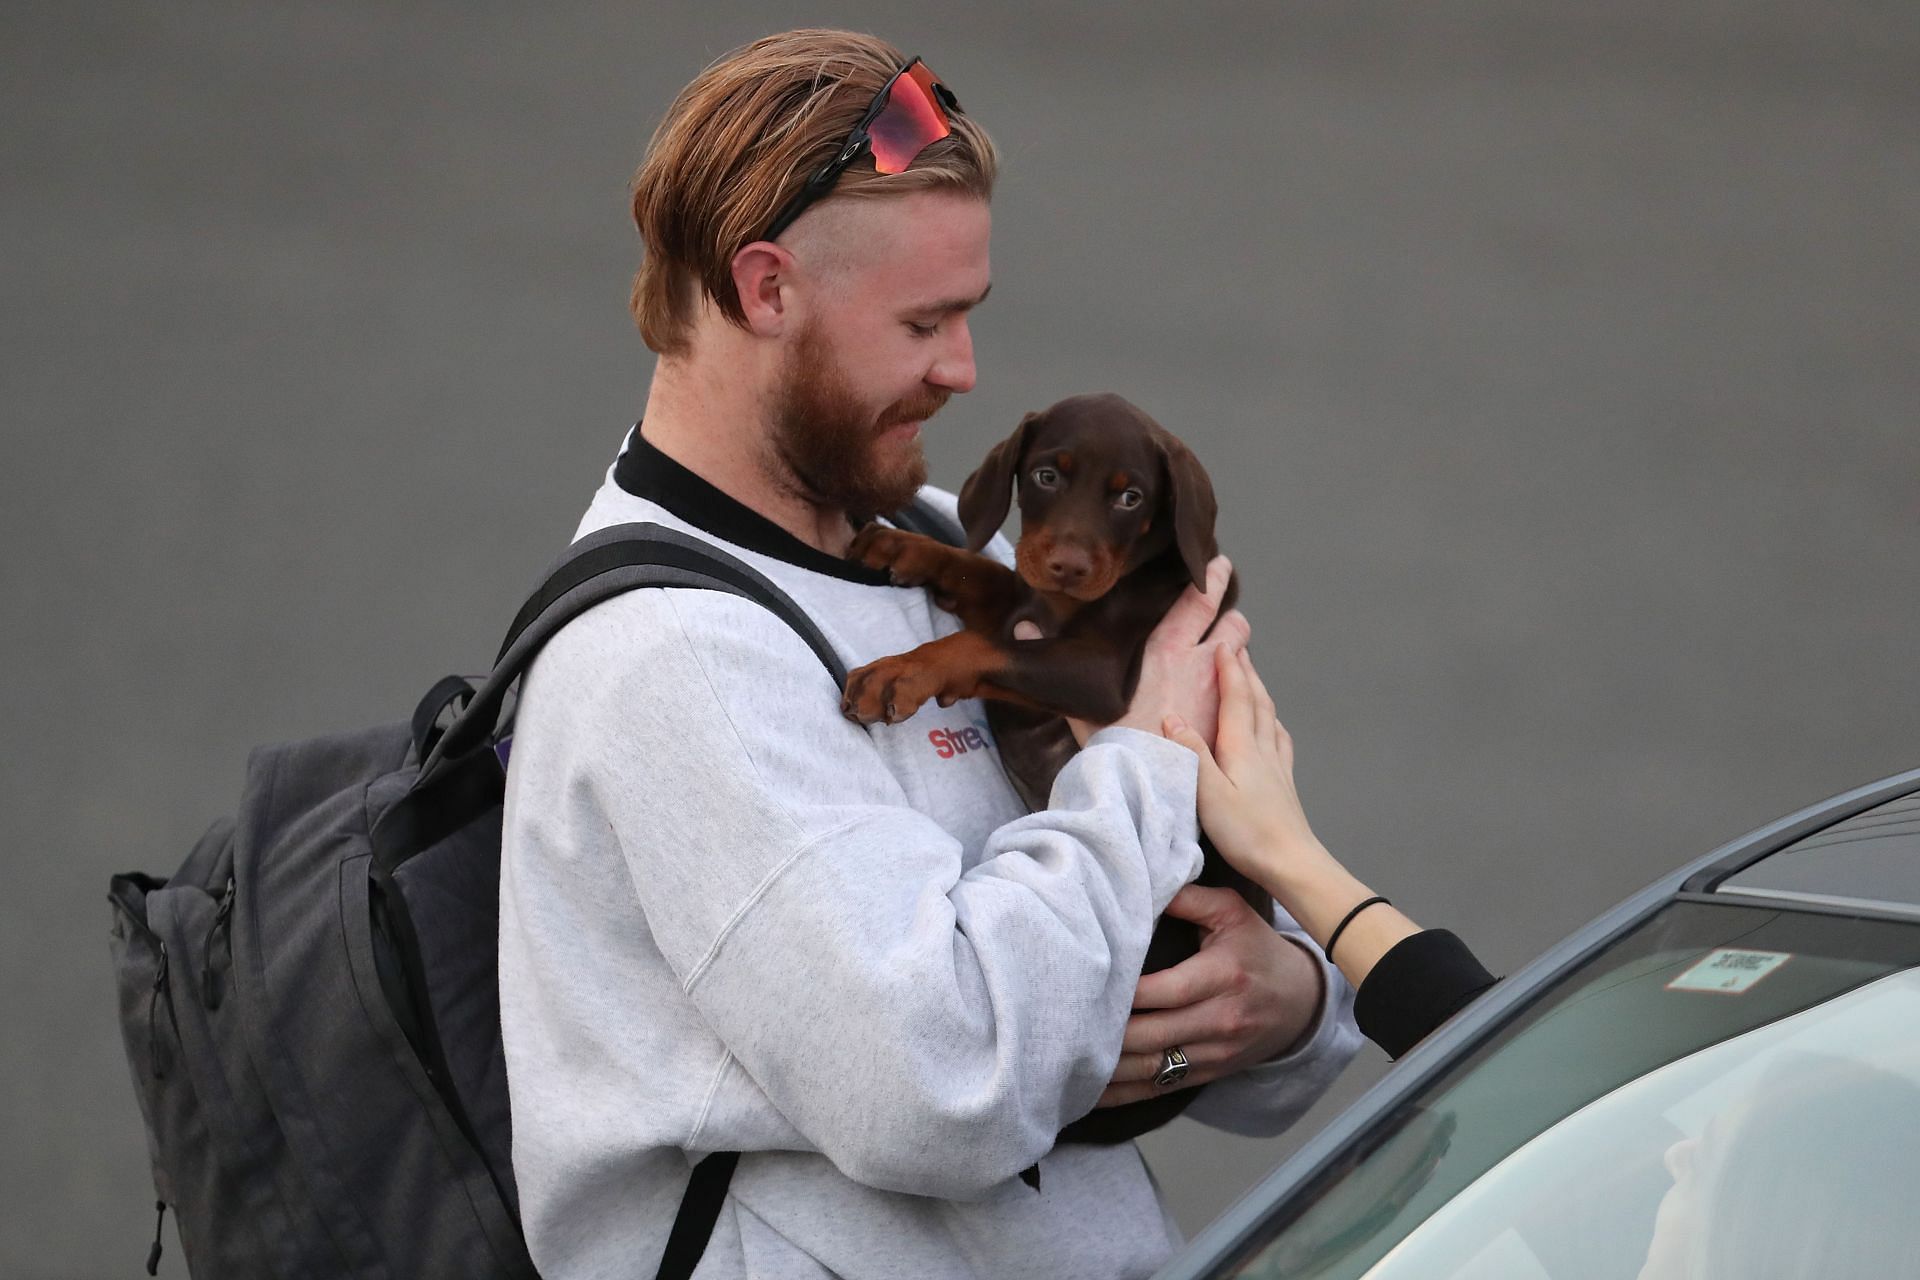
988 492
760 273
1195 510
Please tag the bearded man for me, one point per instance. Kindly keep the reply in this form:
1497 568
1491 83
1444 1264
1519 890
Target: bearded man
734 922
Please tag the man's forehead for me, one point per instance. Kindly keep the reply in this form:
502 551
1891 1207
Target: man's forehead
925 249
953 302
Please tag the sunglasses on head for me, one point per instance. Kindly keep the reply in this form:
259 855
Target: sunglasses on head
908 113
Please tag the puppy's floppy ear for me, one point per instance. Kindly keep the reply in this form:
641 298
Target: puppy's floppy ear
988 492
1190 491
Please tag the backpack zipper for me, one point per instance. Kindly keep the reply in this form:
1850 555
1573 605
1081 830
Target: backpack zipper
158 1062
210 992
153 1254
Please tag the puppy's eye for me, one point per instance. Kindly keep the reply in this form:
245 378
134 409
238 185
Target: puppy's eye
1128 499
1046 477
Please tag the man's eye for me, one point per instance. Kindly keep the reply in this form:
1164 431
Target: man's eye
1128 499
923 330
1045 477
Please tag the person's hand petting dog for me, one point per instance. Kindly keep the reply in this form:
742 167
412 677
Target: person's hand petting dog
1238 1001
1178 671
1252 811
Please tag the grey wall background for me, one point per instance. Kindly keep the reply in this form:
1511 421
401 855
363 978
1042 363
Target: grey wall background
1557 364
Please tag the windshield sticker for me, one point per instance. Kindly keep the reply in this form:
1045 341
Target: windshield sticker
1729 971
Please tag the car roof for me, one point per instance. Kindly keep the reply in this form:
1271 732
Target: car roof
1867 861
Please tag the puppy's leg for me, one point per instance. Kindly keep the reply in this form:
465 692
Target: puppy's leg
976 588
1076 677
1086 677
947 669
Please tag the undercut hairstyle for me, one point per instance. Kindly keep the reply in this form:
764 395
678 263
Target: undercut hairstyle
741 140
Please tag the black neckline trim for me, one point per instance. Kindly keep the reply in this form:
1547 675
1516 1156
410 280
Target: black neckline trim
645 472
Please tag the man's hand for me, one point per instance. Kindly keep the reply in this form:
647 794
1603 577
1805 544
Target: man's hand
1247 995
1177 669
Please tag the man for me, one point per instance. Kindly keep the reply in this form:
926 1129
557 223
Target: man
733 921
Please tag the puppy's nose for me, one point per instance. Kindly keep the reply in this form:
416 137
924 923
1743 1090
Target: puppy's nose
1069 567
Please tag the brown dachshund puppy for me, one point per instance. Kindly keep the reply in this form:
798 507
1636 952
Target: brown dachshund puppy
1117 519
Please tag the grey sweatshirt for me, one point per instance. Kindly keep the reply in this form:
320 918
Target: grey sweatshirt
732 920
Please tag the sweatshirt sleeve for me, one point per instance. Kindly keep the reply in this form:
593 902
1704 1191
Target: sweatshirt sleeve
1268 1098
1420 983
928 1027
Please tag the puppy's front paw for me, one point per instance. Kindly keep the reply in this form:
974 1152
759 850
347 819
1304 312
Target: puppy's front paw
910 559
887 691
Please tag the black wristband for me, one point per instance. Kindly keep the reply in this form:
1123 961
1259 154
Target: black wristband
1341 928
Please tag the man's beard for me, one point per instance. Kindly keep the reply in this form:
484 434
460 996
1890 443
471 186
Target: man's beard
828 441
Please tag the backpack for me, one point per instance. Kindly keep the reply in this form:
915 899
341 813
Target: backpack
310 1004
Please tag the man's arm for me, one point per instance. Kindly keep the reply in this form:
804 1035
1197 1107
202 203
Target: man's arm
928 1027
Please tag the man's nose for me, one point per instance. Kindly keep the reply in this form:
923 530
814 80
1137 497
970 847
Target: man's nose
954 369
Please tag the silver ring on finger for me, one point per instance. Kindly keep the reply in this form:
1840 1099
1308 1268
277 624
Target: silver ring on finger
1173 1068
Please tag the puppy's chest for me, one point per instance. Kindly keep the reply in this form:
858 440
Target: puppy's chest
1120 619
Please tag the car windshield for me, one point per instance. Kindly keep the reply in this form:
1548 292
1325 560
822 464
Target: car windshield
1725 1091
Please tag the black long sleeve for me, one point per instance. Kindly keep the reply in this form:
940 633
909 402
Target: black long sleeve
1420 983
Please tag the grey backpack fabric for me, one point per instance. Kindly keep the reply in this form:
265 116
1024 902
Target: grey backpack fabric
310 1003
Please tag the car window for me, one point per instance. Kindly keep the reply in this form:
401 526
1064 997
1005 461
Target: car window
1550 1153
1826 1104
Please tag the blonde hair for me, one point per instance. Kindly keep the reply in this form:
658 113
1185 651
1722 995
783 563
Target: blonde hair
741 140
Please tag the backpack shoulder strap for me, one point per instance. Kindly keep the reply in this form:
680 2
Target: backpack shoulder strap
921 516
602 561
595 569
461 778
625 557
